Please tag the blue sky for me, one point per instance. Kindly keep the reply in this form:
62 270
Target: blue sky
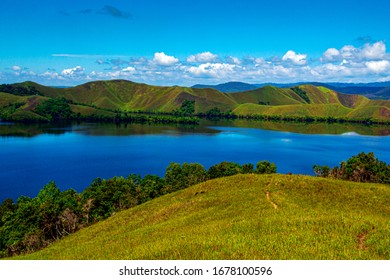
194 41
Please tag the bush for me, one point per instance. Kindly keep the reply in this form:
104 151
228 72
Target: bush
179 177
366 168
248 168
265 167
224 169
321 171
360 168
55 109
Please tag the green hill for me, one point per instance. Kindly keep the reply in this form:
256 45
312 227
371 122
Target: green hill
268 95
243 217
19 101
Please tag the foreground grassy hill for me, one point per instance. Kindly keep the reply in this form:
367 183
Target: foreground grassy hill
243 217
101 98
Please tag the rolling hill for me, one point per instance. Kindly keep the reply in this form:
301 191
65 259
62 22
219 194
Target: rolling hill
19 101
229 87
243 217
369 90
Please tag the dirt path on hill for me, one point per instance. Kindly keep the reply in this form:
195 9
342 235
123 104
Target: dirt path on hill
267 194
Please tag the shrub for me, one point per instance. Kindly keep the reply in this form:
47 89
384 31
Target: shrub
224 169
265 167
248 168
321 171
360 168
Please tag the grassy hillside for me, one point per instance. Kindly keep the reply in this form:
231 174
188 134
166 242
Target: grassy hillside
243 217
121 94
102 97
301 110
268 95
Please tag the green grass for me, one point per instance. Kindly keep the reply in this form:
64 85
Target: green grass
268 95
126 95
301 110
8 99
233 218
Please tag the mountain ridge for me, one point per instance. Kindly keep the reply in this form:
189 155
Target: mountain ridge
376 90
20 101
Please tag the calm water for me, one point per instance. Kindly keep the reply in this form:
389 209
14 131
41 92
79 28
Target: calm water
72 156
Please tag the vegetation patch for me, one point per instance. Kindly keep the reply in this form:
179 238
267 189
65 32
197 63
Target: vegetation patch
360 168
121 97
33 223
231 218
301 94
243 213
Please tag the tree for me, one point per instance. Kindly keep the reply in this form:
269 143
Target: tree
48 200
367 168
360 168
55 109
194 173
214 113
224 169
188 107
265 167
321 171
153 186
179 177
247 168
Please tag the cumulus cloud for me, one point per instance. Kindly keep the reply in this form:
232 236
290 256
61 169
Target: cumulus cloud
349 53
164 60
76 71
366 63
202 57
297 59
331 55
216 70
374 51
233 60
378 66
129 69
52 75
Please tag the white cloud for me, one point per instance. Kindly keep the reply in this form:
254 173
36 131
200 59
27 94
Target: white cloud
374 51
366 63
129 69
164 60
78 70
260 61
216 70
202 57
349 52
297 59
51 75
330 55
233 60
378 66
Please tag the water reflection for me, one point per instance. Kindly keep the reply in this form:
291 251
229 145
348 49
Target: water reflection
205 127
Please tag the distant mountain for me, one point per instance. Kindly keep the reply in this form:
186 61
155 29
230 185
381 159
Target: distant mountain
230 87
370 90
19 101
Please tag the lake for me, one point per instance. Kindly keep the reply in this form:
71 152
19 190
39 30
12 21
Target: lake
74 155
